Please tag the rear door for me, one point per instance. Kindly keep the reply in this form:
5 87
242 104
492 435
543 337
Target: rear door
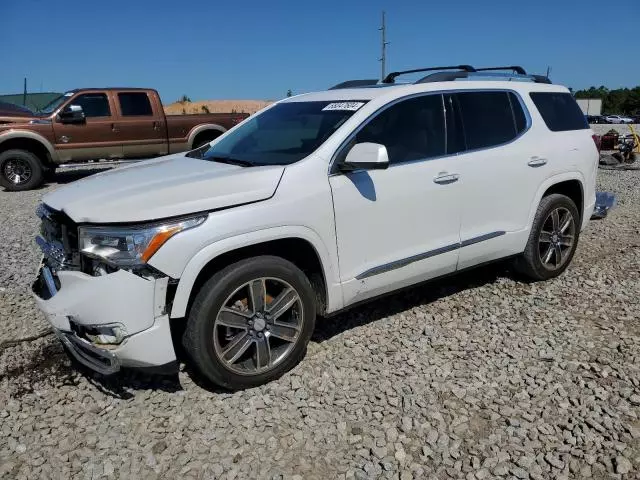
503 163
94 139
141 124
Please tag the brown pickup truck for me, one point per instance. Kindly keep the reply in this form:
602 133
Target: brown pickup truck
97 123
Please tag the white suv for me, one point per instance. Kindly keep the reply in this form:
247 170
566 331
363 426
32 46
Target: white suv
316 203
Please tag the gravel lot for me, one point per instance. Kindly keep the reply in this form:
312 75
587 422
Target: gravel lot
477 376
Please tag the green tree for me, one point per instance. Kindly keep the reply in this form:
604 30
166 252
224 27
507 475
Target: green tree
184 99
289 93
619 101
205 109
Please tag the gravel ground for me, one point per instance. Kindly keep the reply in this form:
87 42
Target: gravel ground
477 376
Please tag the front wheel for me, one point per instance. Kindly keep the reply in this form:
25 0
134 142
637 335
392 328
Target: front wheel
553 239
251 322
20 170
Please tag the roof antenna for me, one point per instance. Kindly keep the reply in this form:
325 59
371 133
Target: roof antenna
383 58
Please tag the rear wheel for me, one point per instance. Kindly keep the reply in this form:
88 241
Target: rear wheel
20 170
553 239
251 322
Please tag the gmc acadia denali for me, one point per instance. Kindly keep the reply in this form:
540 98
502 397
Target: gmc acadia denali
318 202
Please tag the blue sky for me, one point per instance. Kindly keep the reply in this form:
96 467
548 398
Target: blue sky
211 49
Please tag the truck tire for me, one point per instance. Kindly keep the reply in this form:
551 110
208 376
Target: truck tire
553 239
250 322
205 137
20 170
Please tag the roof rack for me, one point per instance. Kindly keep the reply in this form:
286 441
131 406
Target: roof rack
391 78
355 83
442 75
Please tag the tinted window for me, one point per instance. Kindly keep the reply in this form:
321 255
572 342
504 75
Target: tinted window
134 104
559 111
487 118
412 129
93 104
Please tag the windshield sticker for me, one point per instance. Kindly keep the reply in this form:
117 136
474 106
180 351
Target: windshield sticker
348 106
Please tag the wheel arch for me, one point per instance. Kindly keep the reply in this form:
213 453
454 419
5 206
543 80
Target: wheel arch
298 246
210 128
569 184
31 142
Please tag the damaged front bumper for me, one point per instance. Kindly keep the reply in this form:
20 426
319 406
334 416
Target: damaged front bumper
108 322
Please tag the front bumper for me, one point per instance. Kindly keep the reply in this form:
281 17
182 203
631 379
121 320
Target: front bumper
74 303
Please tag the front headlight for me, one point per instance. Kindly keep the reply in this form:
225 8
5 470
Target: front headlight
131 246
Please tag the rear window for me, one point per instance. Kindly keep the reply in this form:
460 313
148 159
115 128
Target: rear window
133 104
488 118
559 111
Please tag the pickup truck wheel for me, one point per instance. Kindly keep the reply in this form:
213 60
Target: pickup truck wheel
251 322
553 239
20 170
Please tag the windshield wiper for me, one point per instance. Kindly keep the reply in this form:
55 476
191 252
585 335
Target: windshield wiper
232 161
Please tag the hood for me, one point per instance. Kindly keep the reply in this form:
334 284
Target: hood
161 188
10 113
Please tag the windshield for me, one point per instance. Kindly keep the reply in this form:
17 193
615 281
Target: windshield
282 135
55 103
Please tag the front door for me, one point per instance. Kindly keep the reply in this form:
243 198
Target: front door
94 139
398 226
141 125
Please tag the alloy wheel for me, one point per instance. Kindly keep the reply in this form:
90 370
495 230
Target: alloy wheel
17 171
258 326
556 238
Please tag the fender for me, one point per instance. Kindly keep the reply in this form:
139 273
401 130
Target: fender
549 182
204 256
17 133
202 128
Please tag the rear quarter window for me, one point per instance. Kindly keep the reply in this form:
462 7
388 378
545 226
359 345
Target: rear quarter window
559 111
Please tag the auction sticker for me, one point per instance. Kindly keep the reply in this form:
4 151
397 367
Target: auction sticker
348 106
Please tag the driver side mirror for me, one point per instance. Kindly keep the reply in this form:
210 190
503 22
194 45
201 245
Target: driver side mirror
72 114
367 156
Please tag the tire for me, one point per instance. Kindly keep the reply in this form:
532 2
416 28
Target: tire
204 139
20 170
544 232
217 350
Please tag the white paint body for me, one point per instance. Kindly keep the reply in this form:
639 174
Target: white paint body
355 221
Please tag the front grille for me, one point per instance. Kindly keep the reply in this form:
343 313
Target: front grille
59 239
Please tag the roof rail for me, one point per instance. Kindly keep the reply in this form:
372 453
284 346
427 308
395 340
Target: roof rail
450 76
517 69
355 84
391 78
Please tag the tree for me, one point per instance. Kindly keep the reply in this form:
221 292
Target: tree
620 101
205 109
184 99
289 93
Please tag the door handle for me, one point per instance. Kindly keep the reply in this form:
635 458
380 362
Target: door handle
446 178
114 128
537 162
156 125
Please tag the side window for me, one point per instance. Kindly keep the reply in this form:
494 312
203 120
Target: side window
134 104
559 111
487 117
93 104
411 129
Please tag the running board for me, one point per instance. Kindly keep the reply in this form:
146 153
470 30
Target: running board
99 163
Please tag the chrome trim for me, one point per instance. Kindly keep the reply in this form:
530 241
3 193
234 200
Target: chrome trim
481 238
334 170
79 348
422 256
406 261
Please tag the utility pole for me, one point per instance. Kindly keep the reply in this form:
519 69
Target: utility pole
24 93
383 58
548 71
